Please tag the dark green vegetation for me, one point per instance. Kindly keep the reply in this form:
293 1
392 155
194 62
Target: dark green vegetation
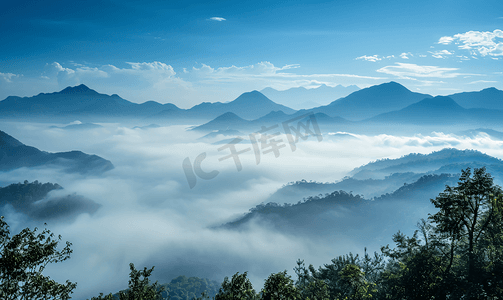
14 155
457 253
23 258
32 200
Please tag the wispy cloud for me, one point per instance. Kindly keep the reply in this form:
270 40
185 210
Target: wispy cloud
485 43
404 70
264 71
441 53
7 77
372 58
219 19
482 81
405 55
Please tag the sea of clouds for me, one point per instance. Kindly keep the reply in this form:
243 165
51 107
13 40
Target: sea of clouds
151 217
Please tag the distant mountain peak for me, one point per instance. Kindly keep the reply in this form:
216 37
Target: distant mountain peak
254 96
438 101
228 116
79 89
391 85
276 113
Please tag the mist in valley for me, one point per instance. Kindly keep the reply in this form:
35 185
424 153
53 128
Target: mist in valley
150 216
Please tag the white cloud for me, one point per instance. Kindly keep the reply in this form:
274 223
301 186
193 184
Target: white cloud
262 70
482 81
372 58
440 54
404 70
405 55
482 42
219 19
446 40
7 77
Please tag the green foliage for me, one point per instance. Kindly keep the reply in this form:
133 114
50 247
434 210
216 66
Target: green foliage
460 254
188 288
342 284
23 257
308 286
280 286
239 287
139 287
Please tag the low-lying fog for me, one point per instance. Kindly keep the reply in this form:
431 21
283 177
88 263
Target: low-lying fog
151 217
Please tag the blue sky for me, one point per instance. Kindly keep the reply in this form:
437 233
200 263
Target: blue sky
187 52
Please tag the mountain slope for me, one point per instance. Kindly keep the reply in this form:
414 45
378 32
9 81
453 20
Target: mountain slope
14 155
32 200
76 101
372 101
300 97
227 121
490 98
440 110
428 163
250 106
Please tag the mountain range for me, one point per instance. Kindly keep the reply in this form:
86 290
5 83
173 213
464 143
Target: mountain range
384 104
372 101
14 155
350 208
81 102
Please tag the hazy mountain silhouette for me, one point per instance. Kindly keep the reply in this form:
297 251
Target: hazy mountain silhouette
341 215
14 154
440 110
227 133
230 121
300 97
333 210
490 98
294 192
484 131
385 176
250 106
76 101
81 126
224 122
372 101
87 104
33 200
435 162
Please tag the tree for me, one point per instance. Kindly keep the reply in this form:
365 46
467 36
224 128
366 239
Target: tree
354 284
239 287
461 254
309 287
23 257
416 270
139 287
468 221
279 286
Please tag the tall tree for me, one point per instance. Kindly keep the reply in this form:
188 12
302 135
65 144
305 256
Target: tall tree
238 288
467 215
139 287
280 286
